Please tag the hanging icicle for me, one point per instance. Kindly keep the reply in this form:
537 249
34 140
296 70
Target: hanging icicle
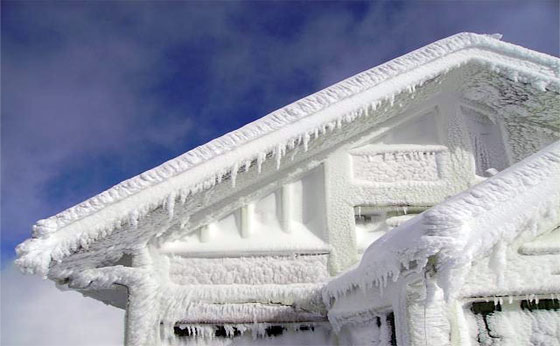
234 170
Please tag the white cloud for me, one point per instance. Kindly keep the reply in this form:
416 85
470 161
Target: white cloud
35 313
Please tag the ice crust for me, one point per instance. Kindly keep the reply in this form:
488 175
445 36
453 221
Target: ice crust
513 326
253 258
272 136
522 200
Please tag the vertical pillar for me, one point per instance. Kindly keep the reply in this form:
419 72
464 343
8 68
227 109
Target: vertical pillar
247 217
427 307
287 200
205 233
142 326
340 212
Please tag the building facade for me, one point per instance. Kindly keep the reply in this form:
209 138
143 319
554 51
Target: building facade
239 240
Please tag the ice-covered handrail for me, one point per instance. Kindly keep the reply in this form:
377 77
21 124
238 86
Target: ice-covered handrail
523 198
199 168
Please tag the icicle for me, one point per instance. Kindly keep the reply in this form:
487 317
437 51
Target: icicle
234 170
260 159
183 224
183 196
278 156
363 288
247 165
207 184
293 155
171 205
134 216
306 139
540 85
291 144
510 299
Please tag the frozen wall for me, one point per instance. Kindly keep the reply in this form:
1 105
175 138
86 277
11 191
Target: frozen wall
290 219
516 322
487 142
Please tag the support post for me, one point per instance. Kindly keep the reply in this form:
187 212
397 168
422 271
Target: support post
287 198
205 233
247 215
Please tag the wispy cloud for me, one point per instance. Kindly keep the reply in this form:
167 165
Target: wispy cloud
35 313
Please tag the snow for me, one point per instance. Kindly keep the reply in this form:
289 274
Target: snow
243 306
546 244
523 198
244 232
318 334
284 221
374 334
259 270
487 141
300 123
375 163
515 326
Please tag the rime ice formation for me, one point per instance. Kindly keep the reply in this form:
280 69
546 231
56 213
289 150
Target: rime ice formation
439 172
461 249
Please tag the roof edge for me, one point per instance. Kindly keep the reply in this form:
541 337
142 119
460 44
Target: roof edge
523 197
272 122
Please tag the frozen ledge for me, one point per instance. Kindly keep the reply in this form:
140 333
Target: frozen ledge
524 198
198 170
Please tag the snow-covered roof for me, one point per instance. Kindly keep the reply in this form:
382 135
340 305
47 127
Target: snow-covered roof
296 124
523 199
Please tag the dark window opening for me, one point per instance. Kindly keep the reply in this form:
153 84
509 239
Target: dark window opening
485 308
221 332
391 323
365 215
178 331
274 330
305 328
543 304
125 260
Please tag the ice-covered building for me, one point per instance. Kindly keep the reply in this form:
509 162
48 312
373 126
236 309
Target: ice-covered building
439 170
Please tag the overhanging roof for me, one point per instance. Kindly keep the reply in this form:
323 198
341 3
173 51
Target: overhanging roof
60 235
523 199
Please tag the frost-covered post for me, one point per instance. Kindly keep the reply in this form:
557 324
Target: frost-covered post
286 208
142 324
340 214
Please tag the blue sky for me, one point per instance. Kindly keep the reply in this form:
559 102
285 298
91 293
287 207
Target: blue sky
96 92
